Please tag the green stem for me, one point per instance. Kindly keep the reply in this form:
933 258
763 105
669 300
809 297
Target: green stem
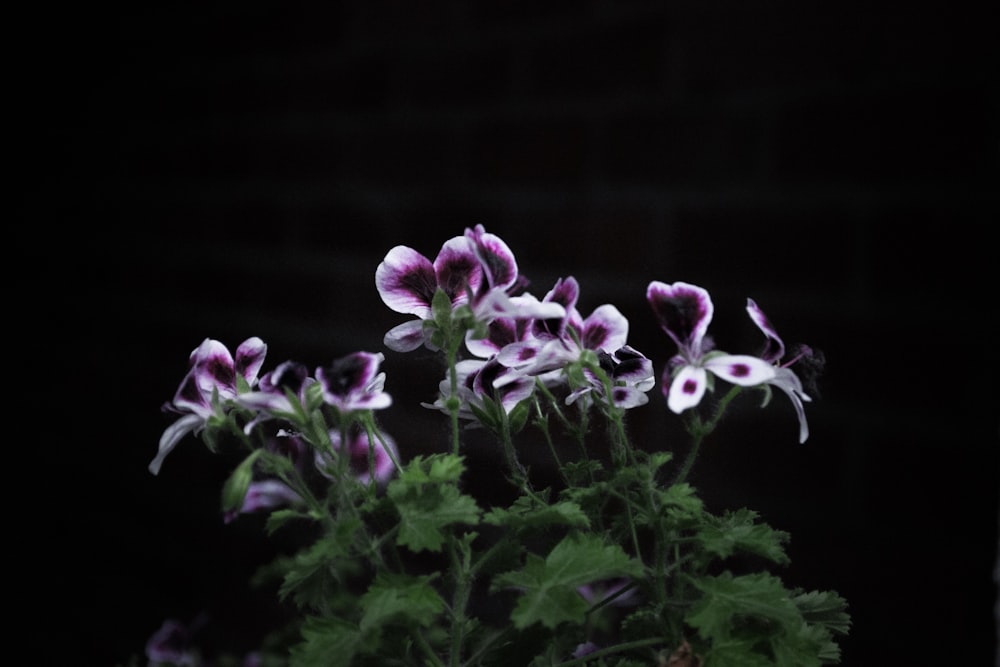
699 430
454 403
463 584
432 657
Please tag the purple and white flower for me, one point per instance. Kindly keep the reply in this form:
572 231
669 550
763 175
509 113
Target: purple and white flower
684 312
407 281
631 376
480 379
353 382
271 399
359 448
476 269
264 495
784 378
214 373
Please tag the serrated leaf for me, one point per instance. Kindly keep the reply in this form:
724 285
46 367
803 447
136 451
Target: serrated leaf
737 532
400 599
549 587
445 467
310 569
325 637
427 499
800 647
279 518
728 600
681 499
826 608
525 513
737 653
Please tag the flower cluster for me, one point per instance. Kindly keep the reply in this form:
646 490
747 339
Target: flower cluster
615 562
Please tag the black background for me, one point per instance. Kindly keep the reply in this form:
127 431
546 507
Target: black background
235 169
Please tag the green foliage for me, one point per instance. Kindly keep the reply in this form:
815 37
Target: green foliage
527 512
400 599
738 532
428 500
548 587
754 619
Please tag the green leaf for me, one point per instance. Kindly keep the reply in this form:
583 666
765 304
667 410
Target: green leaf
728 601
737 653
400 599
518 416
235 488
549 587
736 532
279 518
751 616
323 638
312 568
525 513
824 608
681 501
427 498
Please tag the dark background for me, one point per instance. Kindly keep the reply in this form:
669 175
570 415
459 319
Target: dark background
237 169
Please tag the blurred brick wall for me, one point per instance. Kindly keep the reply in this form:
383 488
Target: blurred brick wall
246 170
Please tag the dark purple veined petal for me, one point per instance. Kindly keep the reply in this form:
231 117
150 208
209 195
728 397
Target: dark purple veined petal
353 382
775 347
684 312
500 332
502 384
191 396
288 375
632 367
495 256
406 281
249 358
604 329
270 395
212 367
352 372
457 270
520 354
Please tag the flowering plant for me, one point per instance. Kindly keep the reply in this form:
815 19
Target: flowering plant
616 561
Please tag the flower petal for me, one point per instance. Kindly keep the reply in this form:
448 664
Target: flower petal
213 368
787 381
741 369
495 256
604 329
684 312
171 436
457 269
249 358
406 281
405 337
775 348
687 388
